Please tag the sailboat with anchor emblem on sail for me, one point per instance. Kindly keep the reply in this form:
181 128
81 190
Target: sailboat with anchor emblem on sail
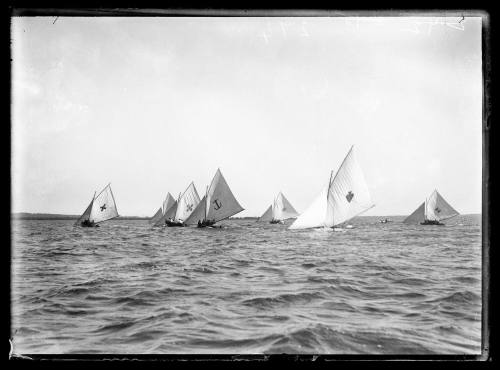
101 208
432 211
186 203
217 204
344 197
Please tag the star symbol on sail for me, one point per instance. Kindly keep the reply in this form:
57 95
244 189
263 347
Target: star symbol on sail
437 210
103 207
189 207
349 196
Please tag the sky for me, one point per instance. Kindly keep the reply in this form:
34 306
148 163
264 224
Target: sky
151 104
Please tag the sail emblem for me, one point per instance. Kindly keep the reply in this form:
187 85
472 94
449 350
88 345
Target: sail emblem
437 210
189 207
103 207
217 204
349 196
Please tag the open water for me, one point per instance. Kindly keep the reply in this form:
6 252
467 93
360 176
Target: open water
247 288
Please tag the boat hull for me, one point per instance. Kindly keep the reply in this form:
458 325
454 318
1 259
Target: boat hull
428 222
174 224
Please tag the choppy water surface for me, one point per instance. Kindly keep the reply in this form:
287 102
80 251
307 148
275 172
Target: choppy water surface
247 288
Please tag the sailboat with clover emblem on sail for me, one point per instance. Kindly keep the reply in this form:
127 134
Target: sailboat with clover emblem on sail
101 208
186 204
217 204
280 210
432 211
166 211
344 197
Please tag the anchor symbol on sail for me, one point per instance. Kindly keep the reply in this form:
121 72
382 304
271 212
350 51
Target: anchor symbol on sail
349 196
103 207
217 204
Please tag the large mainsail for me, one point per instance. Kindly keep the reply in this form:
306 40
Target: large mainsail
348 195
103 206
268 214
187 203
437 209
417 216
345 197
220 201
282 209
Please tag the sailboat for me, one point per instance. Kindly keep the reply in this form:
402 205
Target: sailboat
186 204
101 208
432 211
280 210
344 197
167 210
217 204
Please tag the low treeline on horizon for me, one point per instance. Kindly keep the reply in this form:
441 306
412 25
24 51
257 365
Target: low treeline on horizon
56 216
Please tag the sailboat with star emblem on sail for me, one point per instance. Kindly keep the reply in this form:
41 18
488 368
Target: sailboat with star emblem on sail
344 197
101 208
186 203
217 204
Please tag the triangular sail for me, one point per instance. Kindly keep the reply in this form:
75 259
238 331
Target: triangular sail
221 202
86 214
156 216
170 213
314 216
104 206
197 214
187 203
268 214
167 203
417 216
348 195
283 209
437 209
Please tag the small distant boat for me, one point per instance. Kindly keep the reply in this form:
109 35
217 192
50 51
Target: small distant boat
384 221
432 211
167 210
344 197
186 204
217 204
280 210
101 208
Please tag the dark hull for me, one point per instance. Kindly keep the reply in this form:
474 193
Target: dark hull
173 224
88 224
206 224
276 222
427 222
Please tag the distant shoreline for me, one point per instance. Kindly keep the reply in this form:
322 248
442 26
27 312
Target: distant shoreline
55 216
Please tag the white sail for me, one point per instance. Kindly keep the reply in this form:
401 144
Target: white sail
282 209
417 216
268 214
156 217
104 206
437 209
86 213
315 215
198 214
187 203
221 202
167 203
348 195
